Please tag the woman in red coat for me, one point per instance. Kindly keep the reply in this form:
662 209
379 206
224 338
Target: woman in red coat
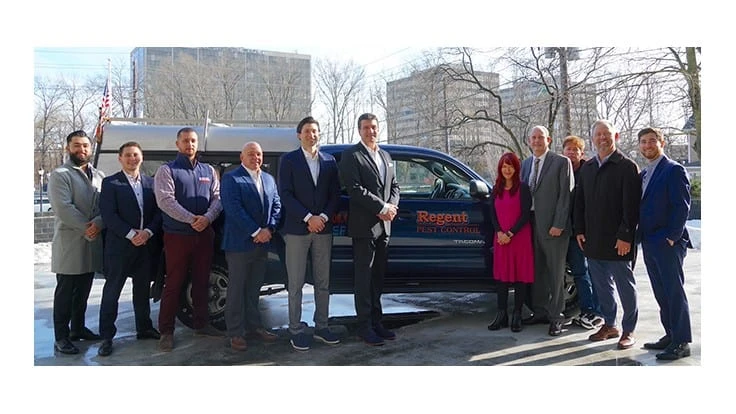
513 257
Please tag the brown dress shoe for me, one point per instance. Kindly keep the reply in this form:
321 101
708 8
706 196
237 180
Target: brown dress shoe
238 343
263 335
166 343
606 332
627 340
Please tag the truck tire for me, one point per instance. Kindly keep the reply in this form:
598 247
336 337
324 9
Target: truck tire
571 294
217 296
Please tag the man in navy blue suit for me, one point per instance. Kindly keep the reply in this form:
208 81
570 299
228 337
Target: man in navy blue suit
252 209
309 188
129 211
665 206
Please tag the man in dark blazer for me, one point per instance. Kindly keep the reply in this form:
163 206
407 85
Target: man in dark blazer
367 173
606 215
550 178
665 206
130 213
309 188
252 211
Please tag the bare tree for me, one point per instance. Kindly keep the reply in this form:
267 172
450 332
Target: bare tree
48 132
339 88
690 70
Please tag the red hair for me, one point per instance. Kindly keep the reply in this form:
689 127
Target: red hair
511 159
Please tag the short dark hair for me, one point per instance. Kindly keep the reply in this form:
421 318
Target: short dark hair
129 144
75 134
650 130
307 120
366 117
185 130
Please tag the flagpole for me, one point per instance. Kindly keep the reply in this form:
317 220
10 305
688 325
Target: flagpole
104 112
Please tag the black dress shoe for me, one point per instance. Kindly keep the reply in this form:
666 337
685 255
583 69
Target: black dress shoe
555 328
65 346
150 333
501 321
105 349
383 332
516 321
85 334
662 343
675 351
534 319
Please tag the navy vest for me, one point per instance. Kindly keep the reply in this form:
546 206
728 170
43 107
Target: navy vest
191 189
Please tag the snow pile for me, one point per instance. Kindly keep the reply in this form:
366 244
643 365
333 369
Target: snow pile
693 227
42 253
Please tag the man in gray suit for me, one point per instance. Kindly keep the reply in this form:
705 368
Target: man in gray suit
367 172
551 181
76 248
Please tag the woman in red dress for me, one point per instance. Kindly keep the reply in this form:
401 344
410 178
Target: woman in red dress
513 255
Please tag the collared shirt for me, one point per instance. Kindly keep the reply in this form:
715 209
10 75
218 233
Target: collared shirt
647 173
378 160
313 163
539 172
381 168
603 161
137 186
256 176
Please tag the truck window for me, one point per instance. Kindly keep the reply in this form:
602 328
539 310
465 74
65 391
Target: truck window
420 178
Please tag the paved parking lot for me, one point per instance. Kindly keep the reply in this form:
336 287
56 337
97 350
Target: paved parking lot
449 337
449 330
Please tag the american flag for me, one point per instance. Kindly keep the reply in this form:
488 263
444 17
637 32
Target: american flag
104 109
106 99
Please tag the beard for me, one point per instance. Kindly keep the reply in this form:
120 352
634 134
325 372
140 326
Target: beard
79 161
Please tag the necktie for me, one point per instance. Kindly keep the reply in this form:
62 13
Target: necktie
535 175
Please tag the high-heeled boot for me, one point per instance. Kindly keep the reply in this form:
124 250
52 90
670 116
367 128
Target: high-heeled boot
516 321
501 321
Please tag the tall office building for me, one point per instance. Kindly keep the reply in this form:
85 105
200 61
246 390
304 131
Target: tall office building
428 109
226 83
527 104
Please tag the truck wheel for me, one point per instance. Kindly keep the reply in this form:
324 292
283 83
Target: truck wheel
217 296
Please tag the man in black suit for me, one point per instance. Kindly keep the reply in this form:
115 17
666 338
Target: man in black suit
130 213
367 172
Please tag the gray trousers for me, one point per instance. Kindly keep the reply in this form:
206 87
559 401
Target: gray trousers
548 290
298 247
246 271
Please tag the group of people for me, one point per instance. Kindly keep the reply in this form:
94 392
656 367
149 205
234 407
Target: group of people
550 209
139 215
546 211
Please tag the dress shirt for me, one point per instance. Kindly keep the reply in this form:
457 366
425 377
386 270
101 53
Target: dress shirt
647 174
539 172
256 176
313 163
381 169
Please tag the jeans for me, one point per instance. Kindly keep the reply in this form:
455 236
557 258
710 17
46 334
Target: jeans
579 267
610 276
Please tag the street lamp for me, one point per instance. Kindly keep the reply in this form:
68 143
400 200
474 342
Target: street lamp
40 189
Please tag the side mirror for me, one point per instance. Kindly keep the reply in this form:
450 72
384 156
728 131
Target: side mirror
479 189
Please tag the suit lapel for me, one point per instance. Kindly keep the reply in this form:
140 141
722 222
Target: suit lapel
304 166
251 184
131 193
368 159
